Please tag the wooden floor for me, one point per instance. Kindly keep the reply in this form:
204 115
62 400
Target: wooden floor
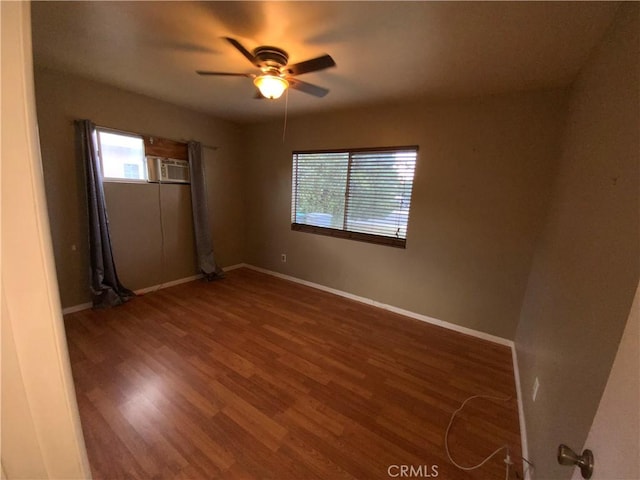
256 377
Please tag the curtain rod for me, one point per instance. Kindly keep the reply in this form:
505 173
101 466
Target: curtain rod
182 140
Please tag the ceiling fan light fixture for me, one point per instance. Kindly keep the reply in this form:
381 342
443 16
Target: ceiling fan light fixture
271 86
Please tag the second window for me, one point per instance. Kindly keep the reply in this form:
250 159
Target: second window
362 194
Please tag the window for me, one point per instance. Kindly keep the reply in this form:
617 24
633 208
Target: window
360 194
121 155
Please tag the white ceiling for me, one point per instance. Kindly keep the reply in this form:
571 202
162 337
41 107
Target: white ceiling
384 51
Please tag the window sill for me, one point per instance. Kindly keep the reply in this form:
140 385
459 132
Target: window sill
122 180
360 237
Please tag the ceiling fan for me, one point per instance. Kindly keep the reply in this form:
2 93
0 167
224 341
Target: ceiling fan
276 75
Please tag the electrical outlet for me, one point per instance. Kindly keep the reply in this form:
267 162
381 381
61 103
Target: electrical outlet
283 258
536 386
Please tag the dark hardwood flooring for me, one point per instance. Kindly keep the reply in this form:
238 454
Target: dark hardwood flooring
257 377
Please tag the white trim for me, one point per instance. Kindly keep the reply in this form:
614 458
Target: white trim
76 308
142 291
172 283
40 417
418 316
523 427
234 267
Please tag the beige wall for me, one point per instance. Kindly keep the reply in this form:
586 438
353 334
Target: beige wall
614 434
482 181
136 232
40 427
133 209
586 266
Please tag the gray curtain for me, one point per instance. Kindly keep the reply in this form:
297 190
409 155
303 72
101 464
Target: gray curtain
201 224
105 286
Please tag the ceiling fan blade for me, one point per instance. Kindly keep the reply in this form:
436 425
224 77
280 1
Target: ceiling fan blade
249 56
309 88
312 65
225 74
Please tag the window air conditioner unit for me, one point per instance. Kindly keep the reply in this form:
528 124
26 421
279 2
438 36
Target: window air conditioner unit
168 170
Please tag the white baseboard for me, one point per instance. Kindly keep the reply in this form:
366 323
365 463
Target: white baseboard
141 291
76 308
153 288
172 283
233 267
391 308
528 473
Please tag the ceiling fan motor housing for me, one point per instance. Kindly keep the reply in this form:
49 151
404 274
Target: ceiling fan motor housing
270 57
275 70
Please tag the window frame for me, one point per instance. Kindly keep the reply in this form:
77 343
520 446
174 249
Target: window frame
343 233
114 131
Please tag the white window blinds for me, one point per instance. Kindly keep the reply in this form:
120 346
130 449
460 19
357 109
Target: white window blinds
360 194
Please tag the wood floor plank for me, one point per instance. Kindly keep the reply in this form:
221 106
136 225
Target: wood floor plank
254 377
304 452
138 448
